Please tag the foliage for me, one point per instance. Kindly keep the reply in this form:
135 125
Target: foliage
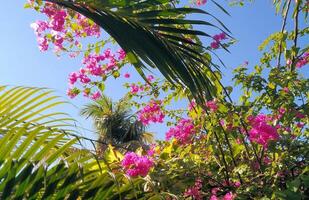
256 148
116 125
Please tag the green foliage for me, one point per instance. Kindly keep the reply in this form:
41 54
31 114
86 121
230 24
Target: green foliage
159 34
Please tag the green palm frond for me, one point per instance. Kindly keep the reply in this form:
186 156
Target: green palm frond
155 33
42 162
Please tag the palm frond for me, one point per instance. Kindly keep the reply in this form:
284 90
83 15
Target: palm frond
153 33
42 162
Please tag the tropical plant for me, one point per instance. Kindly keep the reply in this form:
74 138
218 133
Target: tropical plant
40 160
157 34
256 148
116 125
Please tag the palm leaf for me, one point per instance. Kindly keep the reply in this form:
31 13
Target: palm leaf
141 28
42 162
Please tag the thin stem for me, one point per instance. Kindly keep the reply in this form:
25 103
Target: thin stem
282 29
295 34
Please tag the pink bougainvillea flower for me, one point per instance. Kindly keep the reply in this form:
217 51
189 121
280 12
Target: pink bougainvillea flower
214 197
303 60
183 132
122 54
212 105
192 105
299 115
73 77
300 124
43 43
136 165
195 191
127 75
214 45
261 132
150 78
95 96
237 184
286 89
151 113
200 2
72 93
229 196
134 89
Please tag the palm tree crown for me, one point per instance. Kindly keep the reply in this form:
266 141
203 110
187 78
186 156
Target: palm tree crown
116 125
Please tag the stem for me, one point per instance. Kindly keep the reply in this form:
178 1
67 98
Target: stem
222 154
223 157
282 29
231 152
295 34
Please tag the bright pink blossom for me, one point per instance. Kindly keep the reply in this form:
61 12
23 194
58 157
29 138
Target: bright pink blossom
200 2
229 196
134 89
151 113
212 105
122 54
150 78
262 132
96 96
72 93
192 105
43 43
286 90
126 75
299 115
214 197
183 132
303 60
195 191
136 165
214 45
73 77
300 124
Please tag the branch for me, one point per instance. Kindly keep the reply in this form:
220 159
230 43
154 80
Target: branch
282 29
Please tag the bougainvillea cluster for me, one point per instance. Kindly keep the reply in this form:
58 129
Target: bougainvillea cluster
200 2
229 154
303 60
262 132
212 105
95 66
183 132
217 40
151 113
136 165
195 191
57 30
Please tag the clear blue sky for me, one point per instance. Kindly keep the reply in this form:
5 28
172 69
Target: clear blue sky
23 64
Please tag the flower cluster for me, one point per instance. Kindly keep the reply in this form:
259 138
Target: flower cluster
151 113
136 165
58 29
195 191
94 67
183 132
217 40
136 88
261 132
212 105
303 60
200 2
227 196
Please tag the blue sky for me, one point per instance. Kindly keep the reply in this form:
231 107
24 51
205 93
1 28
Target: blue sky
23 64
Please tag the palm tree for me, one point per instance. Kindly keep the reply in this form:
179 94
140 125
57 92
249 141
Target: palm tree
39 159
154 33
116 125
